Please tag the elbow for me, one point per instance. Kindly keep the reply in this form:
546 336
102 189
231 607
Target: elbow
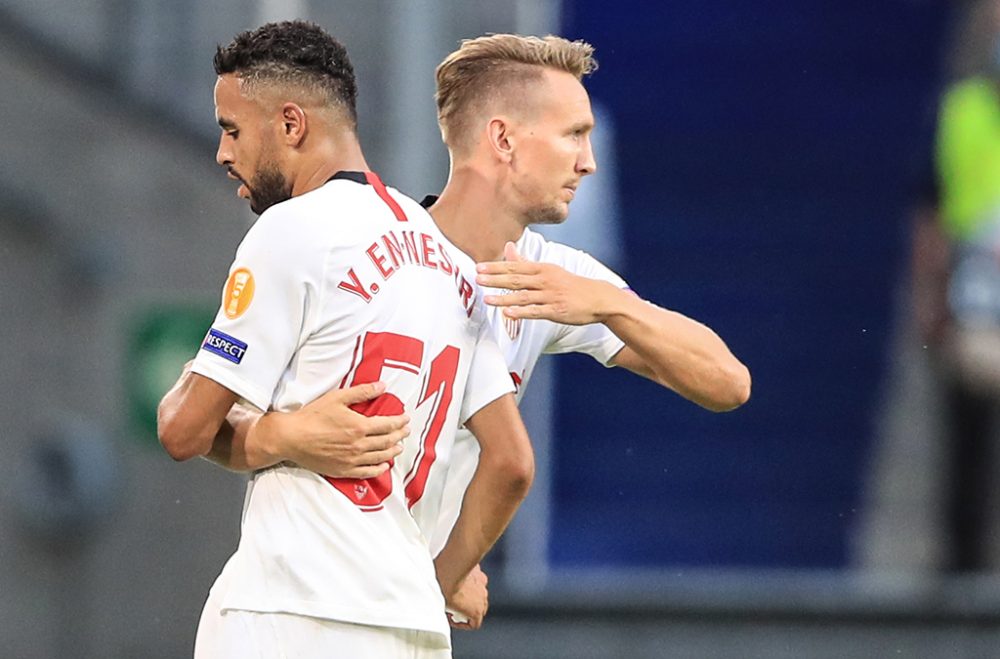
521 474
175 444
178 441
735 391
515 470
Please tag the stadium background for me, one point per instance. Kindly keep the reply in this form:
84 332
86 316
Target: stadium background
766 159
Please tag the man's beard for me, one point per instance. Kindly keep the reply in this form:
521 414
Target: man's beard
267 188
551 214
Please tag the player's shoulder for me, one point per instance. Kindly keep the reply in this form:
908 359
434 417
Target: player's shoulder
338 197
533 246
286 224
418 213
415 212
327 216
301 209
304 228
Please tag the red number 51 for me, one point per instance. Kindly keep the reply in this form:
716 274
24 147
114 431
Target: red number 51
387 350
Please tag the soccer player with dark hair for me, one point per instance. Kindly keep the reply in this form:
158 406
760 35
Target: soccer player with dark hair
342 281
516 119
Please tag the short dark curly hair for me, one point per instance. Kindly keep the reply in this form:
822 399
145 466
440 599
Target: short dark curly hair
292 52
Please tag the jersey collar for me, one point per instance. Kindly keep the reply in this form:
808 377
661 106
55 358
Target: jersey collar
357 177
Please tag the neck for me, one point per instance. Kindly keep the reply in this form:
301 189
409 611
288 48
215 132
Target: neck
473 214
338 152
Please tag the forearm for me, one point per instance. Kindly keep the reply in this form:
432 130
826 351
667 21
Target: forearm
180 435
242 442
191 414
678 352
488 507
502 479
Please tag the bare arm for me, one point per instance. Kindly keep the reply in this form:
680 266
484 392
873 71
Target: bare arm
325 436
662 345
506 469
192 414
236 446
677 352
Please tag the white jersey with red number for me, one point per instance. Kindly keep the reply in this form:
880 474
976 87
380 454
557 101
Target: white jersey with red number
523 342
345 285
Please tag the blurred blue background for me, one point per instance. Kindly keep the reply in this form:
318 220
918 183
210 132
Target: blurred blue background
767 163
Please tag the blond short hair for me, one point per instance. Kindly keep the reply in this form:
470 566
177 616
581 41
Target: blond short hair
486 68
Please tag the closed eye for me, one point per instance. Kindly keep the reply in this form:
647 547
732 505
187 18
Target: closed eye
229 128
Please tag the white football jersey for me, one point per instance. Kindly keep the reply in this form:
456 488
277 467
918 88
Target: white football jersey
349 284
522 343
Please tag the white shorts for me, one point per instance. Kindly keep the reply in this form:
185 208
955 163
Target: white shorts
249 635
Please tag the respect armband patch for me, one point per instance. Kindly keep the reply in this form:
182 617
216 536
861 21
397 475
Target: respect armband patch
224 346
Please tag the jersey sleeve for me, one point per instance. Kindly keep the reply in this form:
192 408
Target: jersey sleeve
595 339
489 378
272 284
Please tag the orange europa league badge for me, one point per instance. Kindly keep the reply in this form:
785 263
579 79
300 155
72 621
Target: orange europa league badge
239 293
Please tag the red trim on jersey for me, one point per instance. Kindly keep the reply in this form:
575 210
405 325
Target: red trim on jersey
376 182
354 360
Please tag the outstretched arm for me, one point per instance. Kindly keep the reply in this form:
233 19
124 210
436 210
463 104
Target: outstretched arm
677 352
662 345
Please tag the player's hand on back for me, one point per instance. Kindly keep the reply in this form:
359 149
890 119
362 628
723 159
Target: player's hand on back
328 437
468 605
544 290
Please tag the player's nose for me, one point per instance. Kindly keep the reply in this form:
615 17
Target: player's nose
586 163
223 155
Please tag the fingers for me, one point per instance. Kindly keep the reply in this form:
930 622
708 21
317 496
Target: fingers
511 281
385 442
531 311
358 393
510 252
379 449
381 457
365 472
508 268
386 425
516 299
467 626
474 622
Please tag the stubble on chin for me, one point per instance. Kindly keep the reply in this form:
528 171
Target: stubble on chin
269 187
551 214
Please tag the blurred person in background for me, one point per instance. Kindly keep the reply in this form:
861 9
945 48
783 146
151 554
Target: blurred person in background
331 563
957 300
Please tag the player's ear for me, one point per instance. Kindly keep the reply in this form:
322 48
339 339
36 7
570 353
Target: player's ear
500 136
293 124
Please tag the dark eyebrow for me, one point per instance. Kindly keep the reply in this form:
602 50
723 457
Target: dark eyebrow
227 124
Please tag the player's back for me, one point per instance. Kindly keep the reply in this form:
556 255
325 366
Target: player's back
376 294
